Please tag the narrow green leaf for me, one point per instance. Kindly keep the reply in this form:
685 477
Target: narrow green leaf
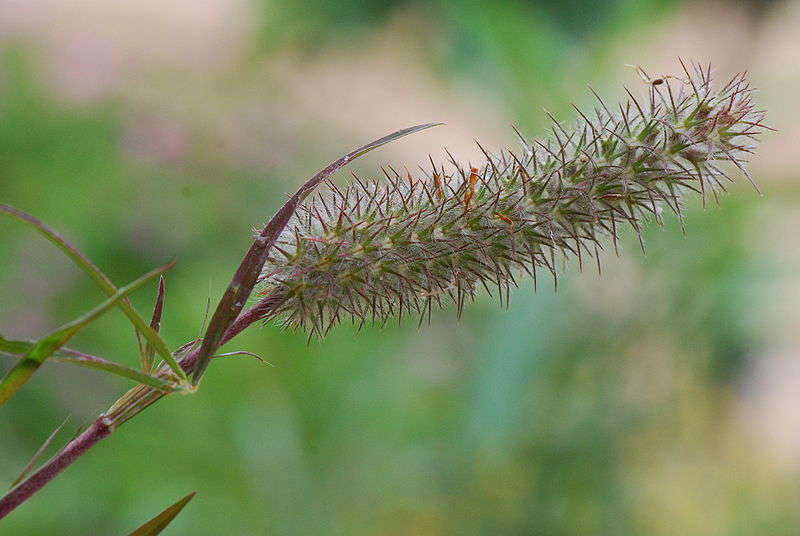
14 347
60 336
121 370
155 323
160 522
101 280
161 347
64 355
38 454
35 356
64 245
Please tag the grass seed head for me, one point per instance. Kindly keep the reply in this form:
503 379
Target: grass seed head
378 249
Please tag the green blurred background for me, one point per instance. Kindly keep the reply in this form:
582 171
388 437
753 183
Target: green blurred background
661 398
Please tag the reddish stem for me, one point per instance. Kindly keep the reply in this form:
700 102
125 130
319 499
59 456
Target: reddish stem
104 425
74 449
226 323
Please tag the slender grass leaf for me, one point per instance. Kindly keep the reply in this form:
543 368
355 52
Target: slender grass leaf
160 522
102 281
14 347
69 249
36 355
361 151
38 454
64 355
155 324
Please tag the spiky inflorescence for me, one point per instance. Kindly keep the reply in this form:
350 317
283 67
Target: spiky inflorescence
378 249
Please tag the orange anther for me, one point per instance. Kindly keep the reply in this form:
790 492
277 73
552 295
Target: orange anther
473 178
505 219
438 181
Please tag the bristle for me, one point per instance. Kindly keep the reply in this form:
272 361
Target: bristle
392 247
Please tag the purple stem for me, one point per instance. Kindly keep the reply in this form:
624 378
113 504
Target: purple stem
104 425
74 449
226 323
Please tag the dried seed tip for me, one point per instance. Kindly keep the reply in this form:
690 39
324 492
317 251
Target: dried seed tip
393 247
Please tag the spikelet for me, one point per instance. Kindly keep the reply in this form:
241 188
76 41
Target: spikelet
379 249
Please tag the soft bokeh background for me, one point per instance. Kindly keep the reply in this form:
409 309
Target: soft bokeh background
662 398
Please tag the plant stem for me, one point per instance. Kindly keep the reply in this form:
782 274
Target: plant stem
74 449
255 313
129 405
226 323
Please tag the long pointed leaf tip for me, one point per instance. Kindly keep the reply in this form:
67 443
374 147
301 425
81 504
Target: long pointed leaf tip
156 526
377 249
246 276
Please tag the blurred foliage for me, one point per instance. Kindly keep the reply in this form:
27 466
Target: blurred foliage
604 409
312 24
523 47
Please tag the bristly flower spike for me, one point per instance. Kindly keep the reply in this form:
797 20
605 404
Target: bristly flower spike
399 246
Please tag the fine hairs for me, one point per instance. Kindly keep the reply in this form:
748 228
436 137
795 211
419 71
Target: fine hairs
395 246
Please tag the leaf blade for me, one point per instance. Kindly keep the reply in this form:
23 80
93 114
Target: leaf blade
160 522
69 249
65 355
102 281
155 324
36 455
30 362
